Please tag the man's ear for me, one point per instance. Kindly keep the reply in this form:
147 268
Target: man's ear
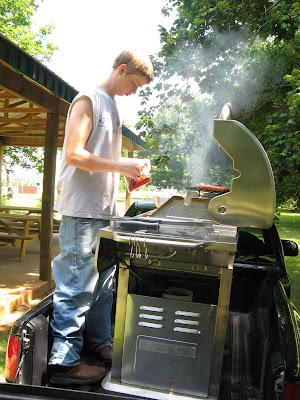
122 69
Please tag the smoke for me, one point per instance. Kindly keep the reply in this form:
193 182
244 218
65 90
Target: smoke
206 163
225 72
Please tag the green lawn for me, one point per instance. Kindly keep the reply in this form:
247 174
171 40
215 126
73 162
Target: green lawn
3 344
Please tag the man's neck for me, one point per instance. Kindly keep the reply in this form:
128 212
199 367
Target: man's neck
109 85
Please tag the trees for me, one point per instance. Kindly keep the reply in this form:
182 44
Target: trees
16 24
243 52
183 151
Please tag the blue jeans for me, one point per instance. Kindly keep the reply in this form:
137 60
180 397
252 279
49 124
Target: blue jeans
82 298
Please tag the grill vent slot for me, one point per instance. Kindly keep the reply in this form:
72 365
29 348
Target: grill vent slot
150 325
187 314
187 322
151 316
187 330
154 309
151 313
191 320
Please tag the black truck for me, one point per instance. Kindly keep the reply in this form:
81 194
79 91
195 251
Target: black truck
202 307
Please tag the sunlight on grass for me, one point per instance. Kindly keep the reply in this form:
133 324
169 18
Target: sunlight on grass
3 344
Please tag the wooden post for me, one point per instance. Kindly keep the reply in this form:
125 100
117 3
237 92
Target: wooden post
48 196
128 194
1 159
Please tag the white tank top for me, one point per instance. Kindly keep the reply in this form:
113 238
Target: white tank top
93 194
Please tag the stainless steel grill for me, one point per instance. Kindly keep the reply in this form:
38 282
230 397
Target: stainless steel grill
165 347
165 339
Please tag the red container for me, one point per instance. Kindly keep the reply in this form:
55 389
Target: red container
142 179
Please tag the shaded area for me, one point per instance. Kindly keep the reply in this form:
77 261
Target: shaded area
19 281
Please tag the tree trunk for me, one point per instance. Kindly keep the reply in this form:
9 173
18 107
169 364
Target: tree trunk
8 182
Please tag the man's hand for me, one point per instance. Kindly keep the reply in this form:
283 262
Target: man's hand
134 167
130 167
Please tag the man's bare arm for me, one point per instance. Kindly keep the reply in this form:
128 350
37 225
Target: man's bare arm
80 125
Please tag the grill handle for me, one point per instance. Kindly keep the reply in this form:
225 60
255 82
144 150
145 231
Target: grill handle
136 225
157 241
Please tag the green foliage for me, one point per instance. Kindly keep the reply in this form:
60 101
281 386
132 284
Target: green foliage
4 200
39 203
181 149
4 335
16 23
282 137
27 157
122 182
245 53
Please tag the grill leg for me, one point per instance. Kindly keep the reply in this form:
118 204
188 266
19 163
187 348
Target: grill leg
120 322
220 331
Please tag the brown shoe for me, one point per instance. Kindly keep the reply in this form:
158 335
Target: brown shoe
82 374
105 353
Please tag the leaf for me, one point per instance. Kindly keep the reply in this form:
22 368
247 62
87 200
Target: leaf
149 142
222 4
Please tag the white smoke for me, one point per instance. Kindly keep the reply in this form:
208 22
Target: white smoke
205 162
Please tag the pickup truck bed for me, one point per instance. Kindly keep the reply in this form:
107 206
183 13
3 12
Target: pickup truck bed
247 365
253 348
261 354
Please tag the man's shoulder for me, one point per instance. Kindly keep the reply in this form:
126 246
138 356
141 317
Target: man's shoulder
89 92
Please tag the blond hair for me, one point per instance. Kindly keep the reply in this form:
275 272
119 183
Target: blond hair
137 63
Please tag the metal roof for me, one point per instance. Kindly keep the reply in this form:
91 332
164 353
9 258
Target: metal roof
22 114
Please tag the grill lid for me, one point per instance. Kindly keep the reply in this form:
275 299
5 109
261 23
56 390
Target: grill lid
251 200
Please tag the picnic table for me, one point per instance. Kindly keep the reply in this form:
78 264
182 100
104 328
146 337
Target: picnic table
19 230
20 225
27 210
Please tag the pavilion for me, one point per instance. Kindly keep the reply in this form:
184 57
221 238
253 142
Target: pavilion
33 108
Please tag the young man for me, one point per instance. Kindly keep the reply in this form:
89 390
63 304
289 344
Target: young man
87 199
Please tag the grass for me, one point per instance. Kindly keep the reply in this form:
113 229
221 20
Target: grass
288 226
4 334
3 344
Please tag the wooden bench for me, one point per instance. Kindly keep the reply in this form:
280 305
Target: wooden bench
19 230
34 227
27 210
19 240
19 226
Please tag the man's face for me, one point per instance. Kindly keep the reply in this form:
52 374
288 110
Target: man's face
129 83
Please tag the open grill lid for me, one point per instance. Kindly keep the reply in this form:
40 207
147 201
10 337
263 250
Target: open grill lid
251 200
